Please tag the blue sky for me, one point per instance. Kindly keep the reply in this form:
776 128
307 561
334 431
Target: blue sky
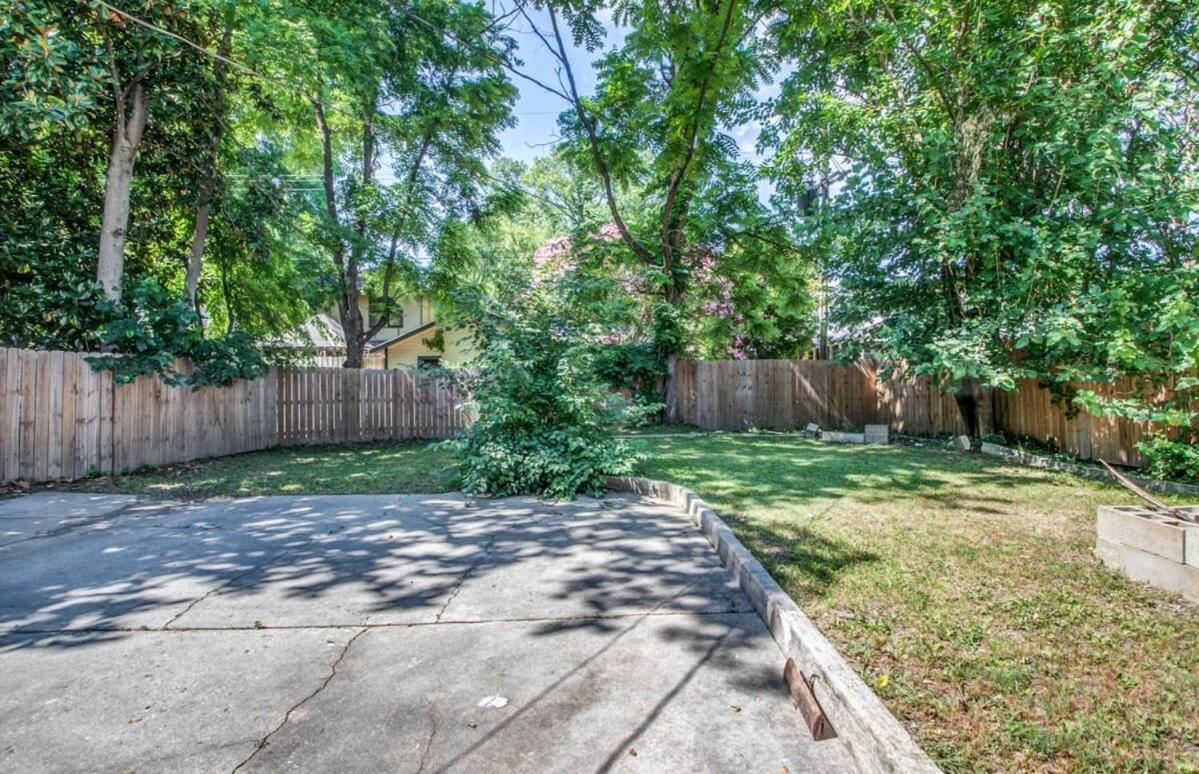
536 109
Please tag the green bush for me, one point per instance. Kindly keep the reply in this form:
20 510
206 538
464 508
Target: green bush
634 366
150 328
1171 460
546 419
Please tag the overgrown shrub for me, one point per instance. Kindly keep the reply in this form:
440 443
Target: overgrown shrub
634 366
151 328
1171 460
546 420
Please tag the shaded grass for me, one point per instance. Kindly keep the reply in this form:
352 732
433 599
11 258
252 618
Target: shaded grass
376 468
664 429
966 593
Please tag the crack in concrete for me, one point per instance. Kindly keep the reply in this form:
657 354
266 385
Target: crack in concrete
262 743
66 529
217 589
396 625
483 554
424 753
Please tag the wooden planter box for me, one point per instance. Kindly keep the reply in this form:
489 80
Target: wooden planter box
1150 547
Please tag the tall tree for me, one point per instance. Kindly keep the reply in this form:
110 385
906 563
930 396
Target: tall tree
405 114
208 173
680 76
1017 182
135 59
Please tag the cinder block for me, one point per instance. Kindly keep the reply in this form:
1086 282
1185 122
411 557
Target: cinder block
832 436
877 434
1150 568
1145 530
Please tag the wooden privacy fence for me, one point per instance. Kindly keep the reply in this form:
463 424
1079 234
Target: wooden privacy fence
339 405
786 394
61 420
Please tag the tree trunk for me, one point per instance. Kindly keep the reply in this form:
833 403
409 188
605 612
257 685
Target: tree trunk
974 404
126 135
351 324
195 259
227 292
984 409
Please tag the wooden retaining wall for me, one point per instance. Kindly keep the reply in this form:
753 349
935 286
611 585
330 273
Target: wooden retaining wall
60 420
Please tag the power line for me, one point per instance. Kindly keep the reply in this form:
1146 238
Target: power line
185 41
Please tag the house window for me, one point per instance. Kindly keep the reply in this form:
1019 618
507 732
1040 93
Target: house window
375 313
428 361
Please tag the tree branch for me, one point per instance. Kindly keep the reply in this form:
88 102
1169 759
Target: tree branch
950 107
596 151
668 224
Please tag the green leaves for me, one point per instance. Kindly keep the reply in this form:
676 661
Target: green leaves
50 78
1170 459
1014 187
546 419
151 328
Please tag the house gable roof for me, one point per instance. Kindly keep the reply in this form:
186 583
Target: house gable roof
403 336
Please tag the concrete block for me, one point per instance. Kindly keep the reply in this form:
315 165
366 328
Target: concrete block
1143 529
1150 568
832 436
877 434
961 443
812 429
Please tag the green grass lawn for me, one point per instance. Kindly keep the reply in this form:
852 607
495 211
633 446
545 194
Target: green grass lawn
371 468
965 592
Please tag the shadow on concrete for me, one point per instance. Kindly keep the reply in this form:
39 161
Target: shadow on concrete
347 561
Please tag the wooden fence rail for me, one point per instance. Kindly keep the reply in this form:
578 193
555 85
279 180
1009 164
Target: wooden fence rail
59 419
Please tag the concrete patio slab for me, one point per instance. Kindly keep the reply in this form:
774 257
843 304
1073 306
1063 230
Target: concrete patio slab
397 633
56 513
157 701
644 693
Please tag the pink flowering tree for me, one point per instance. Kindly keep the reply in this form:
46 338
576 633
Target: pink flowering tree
730 308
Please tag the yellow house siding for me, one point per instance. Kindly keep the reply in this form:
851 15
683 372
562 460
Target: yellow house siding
417 310
406 353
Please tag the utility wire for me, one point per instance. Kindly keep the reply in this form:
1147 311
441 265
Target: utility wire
185 41
443 32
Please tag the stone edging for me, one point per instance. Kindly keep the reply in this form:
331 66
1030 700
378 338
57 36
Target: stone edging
869 731
1086 471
